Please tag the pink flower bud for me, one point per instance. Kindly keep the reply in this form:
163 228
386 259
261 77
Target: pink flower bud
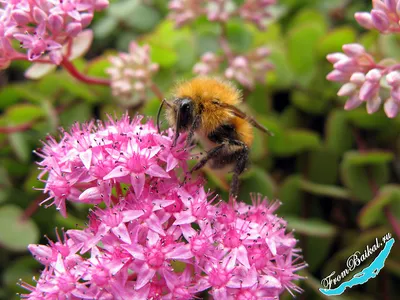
208 57
21 17
346 65
374 75
229 73
398 8
263 51
86 19
347 89
373 104
368 90
391 4
139 86
240 62
39 15
352 103
364 19
353 49
357 78
380 20
393 78
335 57
395 94
337 75
391 108
56 23
101 4
73 29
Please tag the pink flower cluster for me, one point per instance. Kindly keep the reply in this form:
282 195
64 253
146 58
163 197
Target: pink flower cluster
131 74
157 236
42 26
245 69
252 11
384 16
365 80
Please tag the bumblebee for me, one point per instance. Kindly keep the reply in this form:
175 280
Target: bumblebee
208 108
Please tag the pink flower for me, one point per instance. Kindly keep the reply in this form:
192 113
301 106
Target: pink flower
162 237
364 80
43 27
384 16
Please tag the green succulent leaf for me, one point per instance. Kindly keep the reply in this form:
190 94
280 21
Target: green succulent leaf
21 233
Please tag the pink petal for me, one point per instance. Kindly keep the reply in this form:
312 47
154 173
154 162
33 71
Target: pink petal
172 162
131 215
91 194
157 171
144 276
23 38
117 172
182 252
122 233
185 217
52 45
271 245
86 158
135 250
41 253
155 225
242 256
137 181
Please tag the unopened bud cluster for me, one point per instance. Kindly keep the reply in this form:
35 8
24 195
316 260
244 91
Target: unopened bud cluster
384 16
246 69
364 79
252 11
131 74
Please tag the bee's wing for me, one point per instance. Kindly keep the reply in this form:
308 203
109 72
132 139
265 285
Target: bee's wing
240 114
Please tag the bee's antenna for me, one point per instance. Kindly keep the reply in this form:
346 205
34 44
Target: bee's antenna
158 115
178 126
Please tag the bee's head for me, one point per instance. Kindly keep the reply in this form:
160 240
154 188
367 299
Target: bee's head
184 114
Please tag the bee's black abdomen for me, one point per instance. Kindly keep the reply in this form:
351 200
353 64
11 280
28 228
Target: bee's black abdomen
223 133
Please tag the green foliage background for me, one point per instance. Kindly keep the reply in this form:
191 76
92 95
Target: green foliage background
313 164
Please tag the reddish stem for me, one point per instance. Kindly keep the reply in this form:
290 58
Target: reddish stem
69 66
17 128
32 208
392 220
156 90
223 41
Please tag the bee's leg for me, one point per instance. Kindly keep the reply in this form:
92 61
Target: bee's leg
211 154
242 156
195 125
